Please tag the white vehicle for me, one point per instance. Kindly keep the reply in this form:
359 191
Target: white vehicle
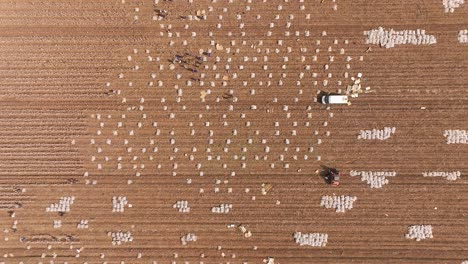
334 99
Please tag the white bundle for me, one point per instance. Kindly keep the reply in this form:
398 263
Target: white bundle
312 239
450 175
189 237
340 203
83 224
450 5
57 223
376 179
182 206
119 203
221 209
390 38
119 237
419 232
456 136
463 36
381 134
62 206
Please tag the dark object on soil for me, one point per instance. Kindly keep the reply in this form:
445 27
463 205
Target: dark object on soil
161 13
330 175
227 96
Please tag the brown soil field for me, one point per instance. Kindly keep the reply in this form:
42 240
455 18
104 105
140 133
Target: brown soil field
96 105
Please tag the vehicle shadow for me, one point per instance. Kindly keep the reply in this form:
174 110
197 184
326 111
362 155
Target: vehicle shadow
320 96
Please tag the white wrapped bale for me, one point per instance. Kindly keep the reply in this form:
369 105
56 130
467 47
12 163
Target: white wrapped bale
451 5
463 36
376 179
340 203
456 136
182 206
83 224
312 239
449 175
419 232
221 209
62 206
380 134
120 237
189 237
390 38
119 203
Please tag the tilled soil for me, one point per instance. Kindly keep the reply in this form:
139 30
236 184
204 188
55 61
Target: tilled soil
94 106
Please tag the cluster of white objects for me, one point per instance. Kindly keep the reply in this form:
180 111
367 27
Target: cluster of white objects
419 232
450 5
376 179
227 69
83 224
57 223
465 262
62 206
456 136
119 203
340 203
190 237
450 175
381 134
119 237
390 38
312 239
221 209
463 36
355 89
182 206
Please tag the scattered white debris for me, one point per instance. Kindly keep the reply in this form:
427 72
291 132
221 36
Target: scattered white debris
464 262
419 232
221 209
355 89
376 179
390 38
189 237
119 203
119 237
312 239
450 5
266 187
269 260
83 224
463 36
182 206
381 134
340 203
451 176
62 206
456 136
